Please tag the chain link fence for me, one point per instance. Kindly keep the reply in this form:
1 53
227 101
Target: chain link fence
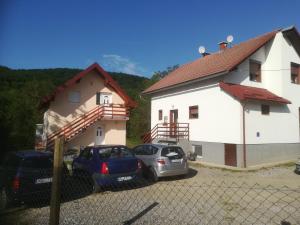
170 201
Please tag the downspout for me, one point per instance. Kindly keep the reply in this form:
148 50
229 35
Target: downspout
244 135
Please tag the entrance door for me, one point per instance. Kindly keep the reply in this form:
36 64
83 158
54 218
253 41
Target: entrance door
173 122
99 136
230 155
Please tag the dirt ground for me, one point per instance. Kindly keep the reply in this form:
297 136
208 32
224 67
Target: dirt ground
277 176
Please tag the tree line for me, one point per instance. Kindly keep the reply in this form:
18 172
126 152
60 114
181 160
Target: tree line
22 90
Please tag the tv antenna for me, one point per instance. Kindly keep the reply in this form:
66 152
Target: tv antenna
229 39
201 50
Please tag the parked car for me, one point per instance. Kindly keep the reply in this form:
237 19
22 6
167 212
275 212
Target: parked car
107 166
26 176
297 170
162 160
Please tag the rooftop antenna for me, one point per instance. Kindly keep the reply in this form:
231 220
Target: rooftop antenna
229 40
201 50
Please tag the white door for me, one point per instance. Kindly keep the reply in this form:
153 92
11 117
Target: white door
100 136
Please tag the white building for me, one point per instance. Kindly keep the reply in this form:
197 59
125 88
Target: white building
239 106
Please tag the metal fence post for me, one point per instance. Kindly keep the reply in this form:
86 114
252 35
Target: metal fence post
56 182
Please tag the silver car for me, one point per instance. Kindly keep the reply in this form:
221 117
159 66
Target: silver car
162 160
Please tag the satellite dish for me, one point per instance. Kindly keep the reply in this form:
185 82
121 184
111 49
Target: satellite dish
229 38
201 49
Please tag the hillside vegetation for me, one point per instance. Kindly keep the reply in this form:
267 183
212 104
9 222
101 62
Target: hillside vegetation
22 90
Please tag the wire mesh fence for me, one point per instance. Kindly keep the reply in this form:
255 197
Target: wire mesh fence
178 200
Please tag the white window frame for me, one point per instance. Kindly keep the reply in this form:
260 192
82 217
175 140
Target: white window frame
102 96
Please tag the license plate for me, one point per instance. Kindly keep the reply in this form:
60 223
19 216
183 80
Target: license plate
120 179
44 180
176 160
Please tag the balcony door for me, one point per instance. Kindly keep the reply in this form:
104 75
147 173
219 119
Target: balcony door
173 122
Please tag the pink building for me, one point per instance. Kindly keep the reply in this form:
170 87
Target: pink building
88 109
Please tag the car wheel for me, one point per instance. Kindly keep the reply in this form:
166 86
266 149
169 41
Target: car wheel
4 200
96 187
153 175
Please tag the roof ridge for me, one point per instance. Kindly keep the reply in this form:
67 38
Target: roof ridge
215 63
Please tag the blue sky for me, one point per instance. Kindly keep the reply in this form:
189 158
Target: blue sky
132 36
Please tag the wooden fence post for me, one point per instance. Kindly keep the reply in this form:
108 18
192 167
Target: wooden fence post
56 182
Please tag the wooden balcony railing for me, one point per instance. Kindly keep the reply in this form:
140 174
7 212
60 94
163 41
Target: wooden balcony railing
167 130
80 124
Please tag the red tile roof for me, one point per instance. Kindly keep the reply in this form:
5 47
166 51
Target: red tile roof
242 92
107 78
220 62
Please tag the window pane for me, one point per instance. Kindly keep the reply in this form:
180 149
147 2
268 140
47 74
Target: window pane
265 109
38 162
114 152
193 112
255 71
98 98
160 114
295 73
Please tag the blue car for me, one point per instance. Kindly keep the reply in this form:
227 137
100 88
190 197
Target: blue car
107 166
26 176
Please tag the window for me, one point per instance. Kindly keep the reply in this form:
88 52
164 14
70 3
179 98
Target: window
295 73
198 150
87 153
98 98
145 150
74 96
38 163
103 98
172 152
255 71
160 114
114 152
265 109
193 112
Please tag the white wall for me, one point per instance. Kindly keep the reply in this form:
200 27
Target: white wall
282 125
219 113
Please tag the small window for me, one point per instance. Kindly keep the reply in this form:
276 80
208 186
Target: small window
74 96
160 114
255 71
103 98
193 112
98 98
265 109
295 73
198 150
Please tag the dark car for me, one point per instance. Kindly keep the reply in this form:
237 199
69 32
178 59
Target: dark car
26 176
107 166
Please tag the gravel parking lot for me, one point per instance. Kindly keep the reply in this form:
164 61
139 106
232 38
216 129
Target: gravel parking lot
206 196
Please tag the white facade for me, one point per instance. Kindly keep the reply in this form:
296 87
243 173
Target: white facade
220 114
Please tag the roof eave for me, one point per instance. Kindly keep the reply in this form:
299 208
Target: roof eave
185 83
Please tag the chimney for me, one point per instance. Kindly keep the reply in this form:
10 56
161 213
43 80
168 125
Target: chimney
222 45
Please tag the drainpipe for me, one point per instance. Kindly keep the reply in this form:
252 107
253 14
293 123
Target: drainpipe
244 134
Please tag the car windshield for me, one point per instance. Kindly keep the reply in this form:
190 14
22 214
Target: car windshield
114 152
38 163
